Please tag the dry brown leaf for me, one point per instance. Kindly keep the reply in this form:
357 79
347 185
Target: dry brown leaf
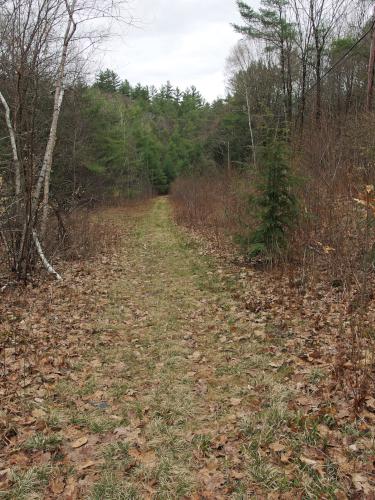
277 447
87 465
308 461
80 442
70 489
361 483
285 457
57 486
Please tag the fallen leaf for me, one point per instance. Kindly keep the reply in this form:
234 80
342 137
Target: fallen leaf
80 442
308 461
87 465
57 486
70 489
277 447
361 484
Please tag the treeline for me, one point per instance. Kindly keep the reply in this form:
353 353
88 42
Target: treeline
298 125
119 141
275 165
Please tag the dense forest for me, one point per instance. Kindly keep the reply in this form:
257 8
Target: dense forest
296 120
187 287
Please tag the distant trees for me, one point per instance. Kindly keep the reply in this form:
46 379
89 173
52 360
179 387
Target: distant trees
108 81
299 38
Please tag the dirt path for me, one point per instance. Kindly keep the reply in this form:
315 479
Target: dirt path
181 395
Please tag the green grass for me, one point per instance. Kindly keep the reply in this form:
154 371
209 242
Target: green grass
27 484
264 474
203 443
94 422
42 442
111 487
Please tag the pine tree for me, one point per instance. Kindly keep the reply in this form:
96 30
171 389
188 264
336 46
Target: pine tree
108 81
276 204
270 24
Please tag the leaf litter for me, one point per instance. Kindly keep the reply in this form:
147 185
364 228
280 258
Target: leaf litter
163 371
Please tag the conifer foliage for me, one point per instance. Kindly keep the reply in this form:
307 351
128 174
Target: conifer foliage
276 204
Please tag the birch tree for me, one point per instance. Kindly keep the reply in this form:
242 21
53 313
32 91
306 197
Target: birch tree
240 60
39 42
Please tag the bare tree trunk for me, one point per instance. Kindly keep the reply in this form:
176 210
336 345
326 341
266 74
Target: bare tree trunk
303 98
45 173
289 87
43 258
250 124
228 159
12 135
283 78
371 69
318 73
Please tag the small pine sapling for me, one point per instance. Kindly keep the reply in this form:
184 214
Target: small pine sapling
275 206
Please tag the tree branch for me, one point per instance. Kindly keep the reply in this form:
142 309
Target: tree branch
43 258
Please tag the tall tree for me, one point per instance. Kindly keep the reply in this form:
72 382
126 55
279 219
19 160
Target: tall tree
36 62
270 24
108 81
371 67
240 60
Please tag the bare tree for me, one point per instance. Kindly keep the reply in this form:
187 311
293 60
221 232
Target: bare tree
38 47
303 34
324 16
371 67
240 60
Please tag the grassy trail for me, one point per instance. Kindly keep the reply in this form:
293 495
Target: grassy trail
180 396
186 393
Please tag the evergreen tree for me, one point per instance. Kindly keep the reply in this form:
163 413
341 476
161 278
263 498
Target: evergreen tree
108 81
125 88
270 25
276 204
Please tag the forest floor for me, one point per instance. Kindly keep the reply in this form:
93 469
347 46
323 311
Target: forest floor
163 371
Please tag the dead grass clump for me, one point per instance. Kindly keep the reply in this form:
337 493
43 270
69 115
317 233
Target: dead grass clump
89 236
82 235
215 203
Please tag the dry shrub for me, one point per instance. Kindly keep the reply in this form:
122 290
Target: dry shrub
333 244
89 236
335 164
216 203
82 235
354 366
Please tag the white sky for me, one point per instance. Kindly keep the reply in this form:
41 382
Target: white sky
184 41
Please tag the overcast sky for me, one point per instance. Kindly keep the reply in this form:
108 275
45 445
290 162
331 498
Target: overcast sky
184 41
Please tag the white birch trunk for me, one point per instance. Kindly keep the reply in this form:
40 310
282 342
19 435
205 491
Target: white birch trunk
12 136
43 258
250 125
45 172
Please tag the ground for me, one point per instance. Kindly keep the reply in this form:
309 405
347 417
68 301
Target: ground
155 372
